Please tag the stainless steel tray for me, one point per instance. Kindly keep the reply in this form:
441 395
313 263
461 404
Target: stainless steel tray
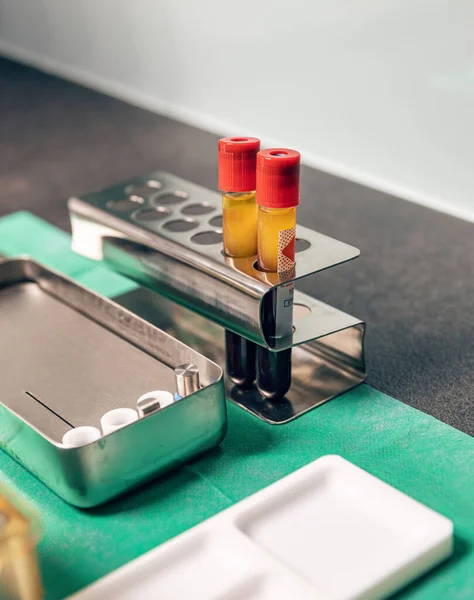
67 356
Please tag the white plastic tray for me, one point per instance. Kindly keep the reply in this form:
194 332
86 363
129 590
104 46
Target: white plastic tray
329 531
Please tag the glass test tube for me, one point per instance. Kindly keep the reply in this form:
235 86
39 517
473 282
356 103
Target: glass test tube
237 181
278 171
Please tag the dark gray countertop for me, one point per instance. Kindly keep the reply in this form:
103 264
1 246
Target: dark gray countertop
414 281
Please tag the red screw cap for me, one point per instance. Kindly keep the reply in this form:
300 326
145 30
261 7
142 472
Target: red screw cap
278 178
237 160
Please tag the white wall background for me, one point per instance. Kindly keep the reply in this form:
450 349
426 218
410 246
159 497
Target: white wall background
380 91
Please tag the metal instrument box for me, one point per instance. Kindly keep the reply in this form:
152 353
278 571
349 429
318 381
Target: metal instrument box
67 356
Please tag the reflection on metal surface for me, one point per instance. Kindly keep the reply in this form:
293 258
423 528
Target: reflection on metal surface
322 369
67 356
228 291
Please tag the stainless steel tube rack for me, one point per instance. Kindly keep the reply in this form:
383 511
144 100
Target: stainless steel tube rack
165 233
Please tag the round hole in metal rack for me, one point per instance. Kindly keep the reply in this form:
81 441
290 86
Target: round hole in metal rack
198 209
143 188
180 225
300 311
167 198
301 245
216 221
207 238
257 267
125 204
151 214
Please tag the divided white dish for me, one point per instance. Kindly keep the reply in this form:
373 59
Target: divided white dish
329 531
